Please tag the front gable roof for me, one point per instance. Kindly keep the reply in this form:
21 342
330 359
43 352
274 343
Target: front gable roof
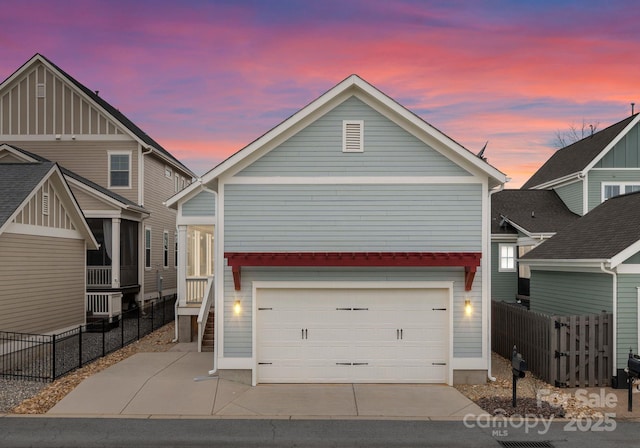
581 155
609 232
530 211
352 86
103 105
19 183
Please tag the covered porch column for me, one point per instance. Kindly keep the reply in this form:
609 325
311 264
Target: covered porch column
115 252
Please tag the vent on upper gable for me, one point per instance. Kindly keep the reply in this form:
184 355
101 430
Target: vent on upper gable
352 136
40 90
45 204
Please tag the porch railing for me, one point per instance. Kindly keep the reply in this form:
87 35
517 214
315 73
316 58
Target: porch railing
196 288
99 276
104 303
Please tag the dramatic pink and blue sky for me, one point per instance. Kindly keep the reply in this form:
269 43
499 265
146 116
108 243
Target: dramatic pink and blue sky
204 78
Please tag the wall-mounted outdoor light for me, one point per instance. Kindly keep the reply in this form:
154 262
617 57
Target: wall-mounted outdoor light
237 308
468 309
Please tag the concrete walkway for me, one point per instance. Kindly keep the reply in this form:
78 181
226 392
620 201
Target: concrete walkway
175 384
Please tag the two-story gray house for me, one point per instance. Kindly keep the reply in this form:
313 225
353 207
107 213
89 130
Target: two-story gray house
350 243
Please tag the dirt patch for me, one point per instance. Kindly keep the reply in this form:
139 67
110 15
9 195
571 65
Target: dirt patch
50 395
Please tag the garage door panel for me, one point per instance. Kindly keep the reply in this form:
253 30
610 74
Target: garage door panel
353 335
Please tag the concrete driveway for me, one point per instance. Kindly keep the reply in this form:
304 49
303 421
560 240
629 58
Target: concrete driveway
176 384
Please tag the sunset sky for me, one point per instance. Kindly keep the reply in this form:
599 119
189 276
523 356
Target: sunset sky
204 78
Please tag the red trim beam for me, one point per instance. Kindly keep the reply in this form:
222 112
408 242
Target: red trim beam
468 260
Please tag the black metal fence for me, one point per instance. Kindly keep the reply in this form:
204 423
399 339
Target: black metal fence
48 357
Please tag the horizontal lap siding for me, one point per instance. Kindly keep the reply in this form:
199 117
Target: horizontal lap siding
157 189
571 195
202 204
467 333
627 317
412 218
567 293
504 285
598 177
41 283
88 159
388 150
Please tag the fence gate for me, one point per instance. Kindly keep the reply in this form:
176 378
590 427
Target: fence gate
565 351
582 348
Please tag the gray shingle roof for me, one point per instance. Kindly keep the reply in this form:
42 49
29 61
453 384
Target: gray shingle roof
537 211
575 157
17 181
600 234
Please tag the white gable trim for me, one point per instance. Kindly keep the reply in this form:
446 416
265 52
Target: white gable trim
353 85
69 201
20 155
351 180
625 254
101 196
612 143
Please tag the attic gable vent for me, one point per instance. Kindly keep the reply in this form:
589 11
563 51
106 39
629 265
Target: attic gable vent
40 90
352 136
45 204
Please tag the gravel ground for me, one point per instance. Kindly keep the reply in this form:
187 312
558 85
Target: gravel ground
534 396
34 397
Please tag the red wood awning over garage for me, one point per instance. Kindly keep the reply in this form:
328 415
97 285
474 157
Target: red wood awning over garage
468 260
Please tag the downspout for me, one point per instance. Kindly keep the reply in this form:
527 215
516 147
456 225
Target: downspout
615 316
489 373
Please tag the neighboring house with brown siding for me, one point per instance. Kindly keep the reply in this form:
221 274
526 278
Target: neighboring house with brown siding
119 175
44 239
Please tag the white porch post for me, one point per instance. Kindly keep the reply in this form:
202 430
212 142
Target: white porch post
115 252
182 265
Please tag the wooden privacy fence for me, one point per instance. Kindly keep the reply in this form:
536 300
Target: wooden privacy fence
565 351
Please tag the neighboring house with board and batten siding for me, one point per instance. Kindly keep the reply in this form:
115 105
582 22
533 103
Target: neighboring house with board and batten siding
350 243
119 175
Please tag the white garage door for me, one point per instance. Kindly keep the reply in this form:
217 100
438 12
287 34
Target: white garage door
352 335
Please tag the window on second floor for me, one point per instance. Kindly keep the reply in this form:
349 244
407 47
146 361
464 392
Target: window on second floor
507 258
147 248
610 190
119 169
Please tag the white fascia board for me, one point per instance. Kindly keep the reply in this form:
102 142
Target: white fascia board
18 154
552 263
172 202
504 238
103 197
612 143
75 209
443 143
565 180
356 86
625 254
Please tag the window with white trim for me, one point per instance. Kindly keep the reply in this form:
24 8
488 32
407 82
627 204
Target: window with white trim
119 169
610 190
147 247
168 172
177 183
507 260
165 248
175 251
353 136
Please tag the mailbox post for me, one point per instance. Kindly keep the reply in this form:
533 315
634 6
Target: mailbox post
633 373
518 368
